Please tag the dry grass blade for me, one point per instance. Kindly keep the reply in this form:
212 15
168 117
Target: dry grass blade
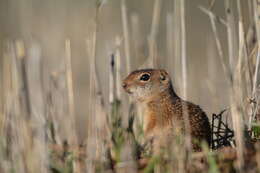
97 127
257 24
213 60
170 41
69 77
184 73
73 139
183 48
126 35
118 68
256 70
153 33
25 134
36 98
10 111
181 59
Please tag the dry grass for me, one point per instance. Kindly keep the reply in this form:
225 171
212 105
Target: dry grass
38 127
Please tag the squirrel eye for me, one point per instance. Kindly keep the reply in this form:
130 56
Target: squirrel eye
145 77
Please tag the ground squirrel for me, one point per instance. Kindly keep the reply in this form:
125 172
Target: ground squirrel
163 108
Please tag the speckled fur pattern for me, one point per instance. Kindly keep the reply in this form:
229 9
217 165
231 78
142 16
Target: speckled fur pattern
164 108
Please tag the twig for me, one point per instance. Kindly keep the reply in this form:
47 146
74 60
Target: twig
231 29
219 47
211 4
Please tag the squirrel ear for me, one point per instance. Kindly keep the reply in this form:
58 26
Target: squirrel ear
163 75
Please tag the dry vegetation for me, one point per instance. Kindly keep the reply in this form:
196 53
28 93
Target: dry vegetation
33 141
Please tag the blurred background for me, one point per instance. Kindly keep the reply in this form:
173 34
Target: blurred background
50 23
51 28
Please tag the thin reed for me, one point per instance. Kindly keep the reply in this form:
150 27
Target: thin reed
62 107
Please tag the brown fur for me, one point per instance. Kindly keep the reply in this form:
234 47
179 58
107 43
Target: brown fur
163 108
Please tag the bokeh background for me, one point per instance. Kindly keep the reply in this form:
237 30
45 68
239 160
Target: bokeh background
45 44
50 23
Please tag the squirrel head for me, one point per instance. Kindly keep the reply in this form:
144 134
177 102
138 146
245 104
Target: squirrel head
145 84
